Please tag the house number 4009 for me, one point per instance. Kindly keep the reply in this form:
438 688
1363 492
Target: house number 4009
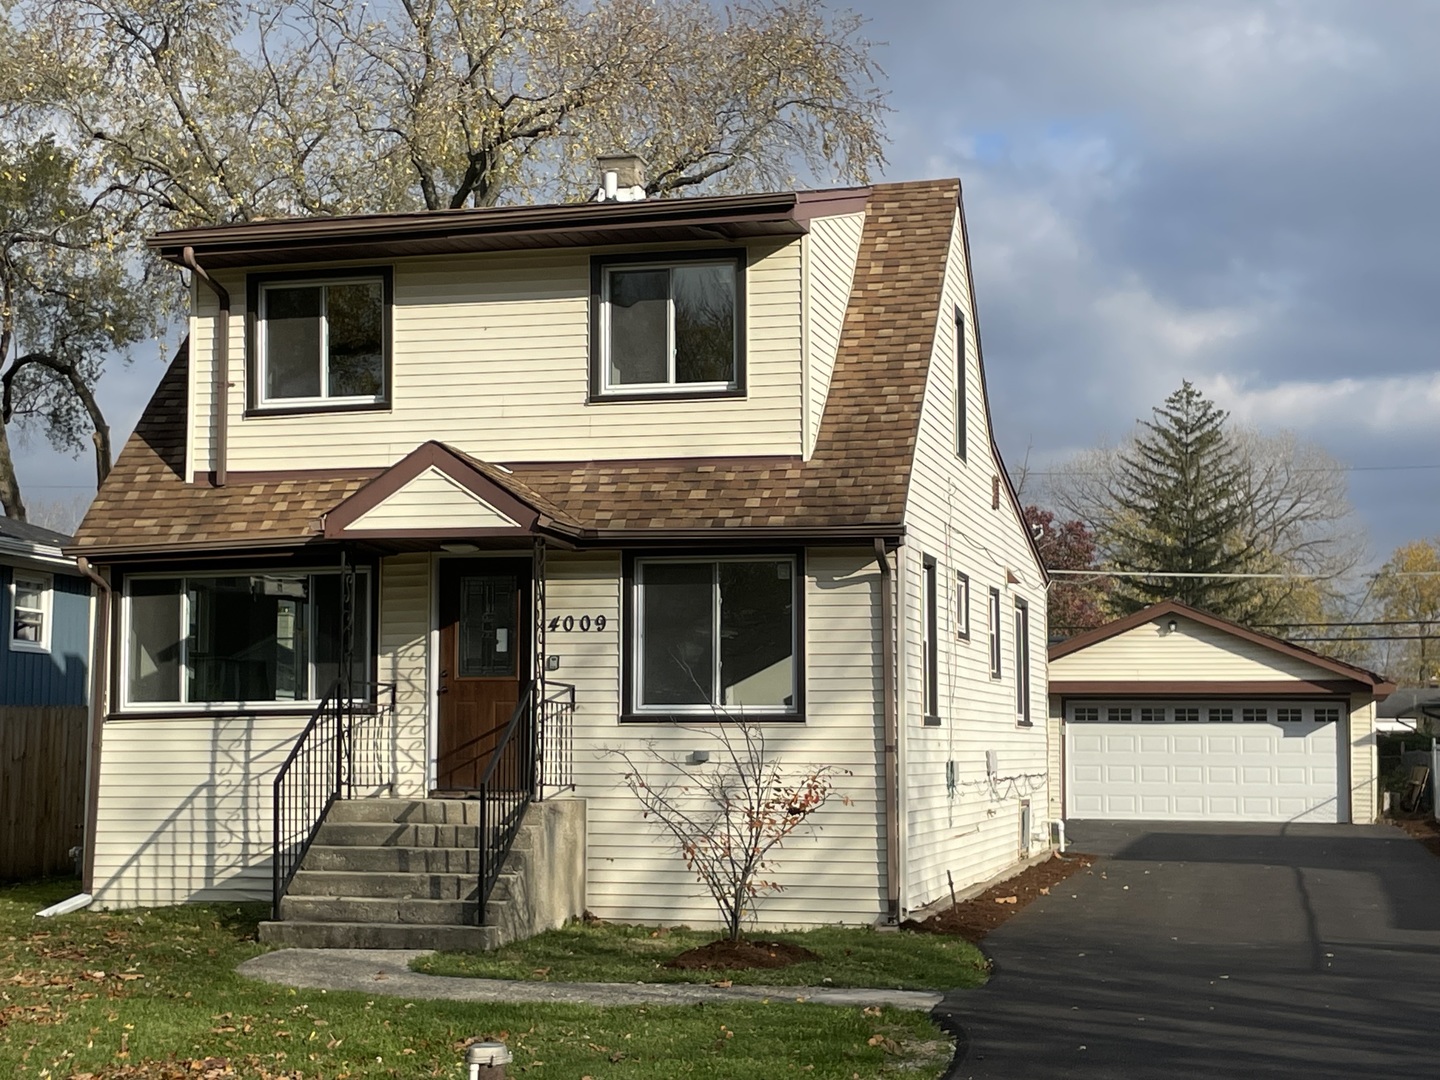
585 623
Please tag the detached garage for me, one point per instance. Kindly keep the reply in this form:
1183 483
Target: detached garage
1174 714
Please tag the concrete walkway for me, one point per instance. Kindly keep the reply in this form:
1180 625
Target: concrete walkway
387 971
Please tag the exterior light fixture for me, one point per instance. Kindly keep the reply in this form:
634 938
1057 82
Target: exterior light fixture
1173 626
460 548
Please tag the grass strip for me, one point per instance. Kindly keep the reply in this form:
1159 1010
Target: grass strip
152 995
614 952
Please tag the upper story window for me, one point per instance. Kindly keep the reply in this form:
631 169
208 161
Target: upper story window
30 595
247 638
667 325
320 342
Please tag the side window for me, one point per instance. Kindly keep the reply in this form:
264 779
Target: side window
961 390
931 645
320 342
30 604
995 634
1022 661
962 606
663 326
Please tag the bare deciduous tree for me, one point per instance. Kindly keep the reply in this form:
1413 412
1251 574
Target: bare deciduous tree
181 113
727 816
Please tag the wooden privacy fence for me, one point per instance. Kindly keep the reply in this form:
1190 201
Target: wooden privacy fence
42 789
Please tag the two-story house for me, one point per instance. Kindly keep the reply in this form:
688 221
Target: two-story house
457 504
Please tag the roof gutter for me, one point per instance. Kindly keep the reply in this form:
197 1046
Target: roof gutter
99 680
891 777
221 397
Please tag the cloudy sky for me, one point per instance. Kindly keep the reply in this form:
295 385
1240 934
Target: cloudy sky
1237 192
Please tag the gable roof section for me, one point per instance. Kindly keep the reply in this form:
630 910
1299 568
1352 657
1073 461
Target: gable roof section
853 486
442 492
1380 685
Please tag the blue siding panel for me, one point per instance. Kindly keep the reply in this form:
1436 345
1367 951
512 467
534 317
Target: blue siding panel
61 676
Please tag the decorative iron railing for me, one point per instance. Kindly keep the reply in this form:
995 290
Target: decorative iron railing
507 787
556 738
346 749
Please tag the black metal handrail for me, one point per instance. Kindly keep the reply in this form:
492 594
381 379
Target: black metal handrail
507 787
346 747
556 738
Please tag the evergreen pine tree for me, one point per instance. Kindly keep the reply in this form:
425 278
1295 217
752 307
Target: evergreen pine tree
1182 507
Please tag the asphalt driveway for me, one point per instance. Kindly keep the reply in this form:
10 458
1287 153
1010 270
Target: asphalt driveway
1250 951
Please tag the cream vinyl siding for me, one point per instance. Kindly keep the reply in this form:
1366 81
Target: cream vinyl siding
1364 762
491 355
433 501
1055 759
969 827
832 249
1194 651
403 659
834 874
185 808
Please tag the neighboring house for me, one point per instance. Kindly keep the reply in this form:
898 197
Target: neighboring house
695 458
1409 710
1174 714
44 687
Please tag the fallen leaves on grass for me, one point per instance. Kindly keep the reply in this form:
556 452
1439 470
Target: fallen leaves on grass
210 1068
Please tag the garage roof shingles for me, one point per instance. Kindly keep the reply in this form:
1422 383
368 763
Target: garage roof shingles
857 478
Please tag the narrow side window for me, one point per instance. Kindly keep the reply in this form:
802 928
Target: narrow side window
930 645
961 397
995 634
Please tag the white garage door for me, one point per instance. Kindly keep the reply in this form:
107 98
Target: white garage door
1205 761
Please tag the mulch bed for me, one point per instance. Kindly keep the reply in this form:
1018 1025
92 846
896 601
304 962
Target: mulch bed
1425 829
974 918
732 955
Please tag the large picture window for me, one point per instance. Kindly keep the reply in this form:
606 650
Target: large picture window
321 342
715 636
239 639
668 326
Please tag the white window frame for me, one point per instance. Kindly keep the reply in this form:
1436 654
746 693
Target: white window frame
45 584
930 637
670 386
324 400
362 574
997 669
1022 662
962 605
718 710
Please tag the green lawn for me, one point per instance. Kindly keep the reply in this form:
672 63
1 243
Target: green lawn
612 952
150 995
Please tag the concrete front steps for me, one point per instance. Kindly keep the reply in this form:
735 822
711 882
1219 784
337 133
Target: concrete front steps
403 874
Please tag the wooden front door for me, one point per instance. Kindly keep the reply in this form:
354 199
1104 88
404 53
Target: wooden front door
484 660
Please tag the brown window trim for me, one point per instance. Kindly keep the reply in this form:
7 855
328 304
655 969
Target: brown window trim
598 264
254 409
628 715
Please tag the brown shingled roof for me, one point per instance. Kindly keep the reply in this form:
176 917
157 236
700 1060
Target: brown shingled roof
145 503
855 482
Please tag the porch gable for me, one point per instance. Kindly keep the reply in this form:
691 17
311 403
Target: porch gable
432 492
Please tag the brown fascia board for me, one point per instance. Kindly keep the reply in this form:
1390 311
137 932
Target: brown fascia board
1195 688
1377 683
1010 492
502 228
